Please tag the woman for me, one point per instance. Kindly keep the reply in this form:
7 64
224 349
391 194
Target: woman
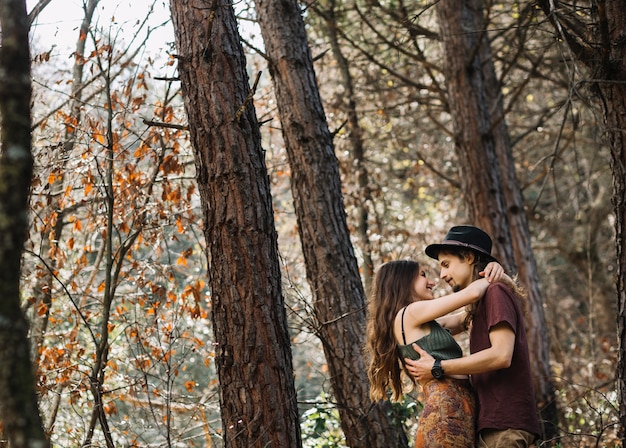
403 295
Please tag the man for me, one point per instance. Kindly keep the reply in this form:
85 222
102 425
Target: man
498 362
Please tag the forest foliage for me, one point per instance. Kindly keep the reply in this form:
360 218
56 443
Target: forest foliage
114 277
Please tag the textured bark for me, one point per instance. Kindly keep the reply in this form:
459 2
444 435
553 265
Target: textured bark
520 240
491 190
18 400
356 143
597 41
331 266
613 95
257 391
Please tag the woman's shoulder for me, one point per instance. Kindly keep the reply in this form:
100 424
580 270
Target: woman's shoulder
400 314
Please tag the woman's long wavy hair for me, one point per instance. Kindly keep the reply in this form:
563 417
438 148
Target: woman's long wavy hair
391 291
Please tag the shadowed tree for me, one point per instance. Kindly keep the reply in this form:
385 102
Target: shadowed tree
19 412
347 99
331 266
594 33
490 188
253 353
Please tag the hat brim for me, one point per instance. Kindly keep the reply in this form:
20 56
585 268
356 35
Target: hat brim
433 250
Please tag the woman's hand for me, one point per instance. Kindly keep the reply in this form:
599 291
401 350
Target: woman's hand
493 272
477 288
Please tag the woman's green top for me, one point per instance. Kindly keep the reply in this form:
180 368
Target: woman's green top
439 343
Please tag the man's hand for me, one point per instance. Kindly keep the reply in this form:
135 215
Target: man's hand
420 369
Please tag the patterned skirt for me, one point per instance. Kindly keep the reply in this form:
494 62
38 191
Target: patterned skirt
449 415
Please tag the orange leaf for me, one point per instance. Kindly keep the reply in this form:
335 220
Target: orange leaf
110 408
42 308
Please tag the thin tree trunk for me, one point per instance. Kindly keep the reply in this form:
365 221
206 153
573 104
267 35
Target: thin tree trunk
19 412
97 376
491 190
53 214
601 49
612 93
331 267
615 113
254 365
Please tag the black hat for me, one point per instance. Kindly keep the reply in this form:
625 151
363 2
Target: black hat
464 237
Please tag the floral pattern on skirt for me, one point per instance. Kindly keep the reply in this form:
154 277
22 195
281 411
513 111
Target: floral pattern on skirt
448 419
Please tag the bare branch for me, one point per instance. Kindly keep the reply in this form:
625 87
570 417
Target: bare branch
34 13
162 124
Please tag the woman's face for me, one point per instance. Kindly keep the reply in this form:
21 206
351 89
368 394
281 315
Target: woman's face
422 287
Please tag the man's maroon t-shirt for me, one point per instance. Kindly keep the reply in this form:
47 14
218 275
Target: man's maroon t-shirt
506 397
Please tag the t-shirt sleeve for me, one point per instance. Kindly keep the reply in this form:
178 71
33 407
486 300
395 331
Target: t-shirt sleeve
500 303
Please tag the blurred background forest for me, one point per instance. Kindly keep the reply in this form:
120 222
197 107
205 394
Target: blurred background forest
113 160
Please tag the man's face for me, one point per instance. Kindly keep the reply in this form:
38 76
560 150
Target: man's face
456 271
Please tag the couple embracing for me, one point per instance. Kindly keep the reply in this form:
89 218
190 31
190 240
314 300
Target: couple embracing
485 399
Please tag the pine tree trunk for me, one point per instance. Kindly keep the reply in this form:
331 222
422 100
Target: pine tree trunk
356 144
615 118
253 355
613 95
19 412
491 190
520 239
601 48
331 266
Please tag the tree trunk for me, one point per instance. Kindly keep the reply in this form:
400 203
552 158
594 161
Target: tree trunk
362 199
491 190
613 95
601 48
19 412
331 266
611 92
254 365
520 241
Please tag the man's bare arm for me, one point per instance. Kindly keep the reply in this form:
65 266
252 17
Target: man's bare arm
496 357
